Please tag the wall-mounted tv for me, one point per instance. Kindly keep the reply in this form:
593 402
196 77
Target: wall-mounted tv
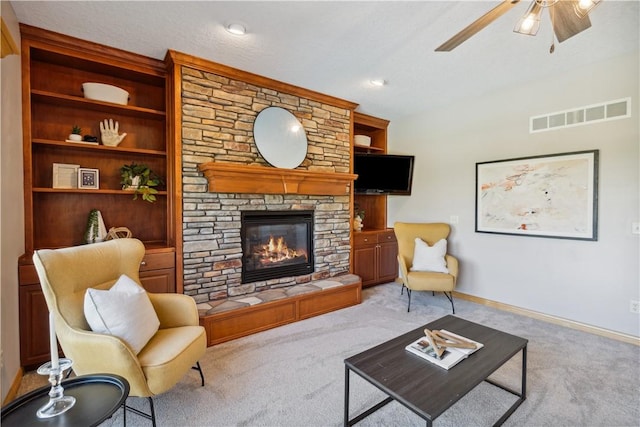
383 173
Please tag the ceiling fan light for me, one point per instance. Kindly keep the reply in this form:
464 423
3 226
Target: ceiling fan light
236 29
378 82
583 7
530 21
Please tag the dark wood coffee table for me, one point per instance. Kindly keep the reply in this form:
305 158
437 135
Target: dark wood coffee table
425 388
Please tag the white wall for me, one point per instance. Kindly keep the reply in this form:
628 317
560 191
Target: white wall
584 281
12 210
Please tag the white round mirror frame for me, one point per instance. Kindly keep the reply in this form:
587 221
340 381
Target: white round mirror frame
280 138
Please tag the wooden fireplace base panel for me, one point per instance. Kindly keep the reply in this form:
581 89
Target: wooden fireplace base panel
231 324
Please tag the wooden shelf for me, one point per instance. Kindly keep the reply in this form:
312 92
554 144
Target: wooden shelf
88 191
104 107
249 179
105 148
365 149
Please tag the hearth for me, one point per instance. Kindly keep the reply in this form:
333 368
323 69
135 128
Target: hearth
276 244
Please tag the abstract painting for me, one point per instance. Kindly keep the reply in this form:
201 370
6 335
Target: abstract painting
543 196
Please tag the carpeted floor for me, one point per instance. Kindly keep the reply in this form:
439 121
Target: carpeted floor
294 375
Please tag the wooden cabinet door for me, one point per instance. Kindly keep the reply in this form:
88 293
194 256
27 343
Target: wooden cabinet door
364 264
387 262
34 326
159 281
158 273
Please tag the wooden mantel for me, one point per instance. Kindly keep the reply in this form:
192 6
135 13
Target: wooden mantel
235 178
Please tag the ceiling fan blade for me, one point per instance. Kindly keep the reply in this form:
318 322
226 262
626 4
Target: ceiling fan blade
477 25
566 23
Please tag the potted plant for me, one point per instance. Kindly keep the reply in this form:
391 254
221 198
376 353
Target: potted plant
140 179
76 133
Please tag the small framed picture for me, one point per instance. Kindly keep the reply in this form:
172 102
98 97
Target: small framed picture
65 176
88 178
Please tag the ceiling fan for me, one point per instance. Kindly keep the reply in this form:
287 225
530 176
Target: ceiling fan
568 17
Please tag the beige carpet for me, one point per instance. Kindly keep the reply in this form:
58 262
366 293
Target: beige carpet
294 375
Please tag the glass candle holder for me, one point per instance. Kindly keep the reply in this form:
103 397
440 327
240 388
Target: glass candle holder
58 402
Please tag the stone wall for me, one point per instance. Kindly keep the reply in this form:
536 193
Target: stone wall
217 125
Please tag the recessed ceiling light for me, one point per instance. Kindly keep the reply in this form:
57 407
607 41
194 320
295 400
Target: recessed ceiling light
377 82
236 29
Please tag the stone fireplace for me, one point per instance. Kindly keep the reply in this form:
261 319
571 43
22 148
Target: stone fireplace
276 244
218 108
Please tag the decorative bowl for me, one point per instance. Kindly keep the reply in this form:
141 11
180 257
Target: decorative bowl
362 140
104 92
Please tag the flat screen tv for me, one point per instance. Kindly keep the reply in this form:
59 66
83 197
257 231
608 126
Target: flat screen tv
383 173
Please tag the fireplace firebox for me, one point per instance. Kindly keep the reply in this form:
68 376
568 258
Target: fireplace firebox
276 244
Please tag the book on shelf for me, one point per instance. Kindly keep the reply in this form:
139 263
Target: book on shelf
451 356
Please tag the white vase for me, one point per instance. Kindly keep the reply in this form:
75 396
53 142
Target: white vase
135 184
75 137
98 235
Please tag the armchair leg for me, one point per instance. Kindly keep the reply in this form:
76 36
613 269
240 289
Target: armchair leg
409 295
402 289
450 298
151 416
199 369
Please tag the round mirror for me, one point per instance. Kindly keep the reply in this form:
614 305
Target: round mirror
280 138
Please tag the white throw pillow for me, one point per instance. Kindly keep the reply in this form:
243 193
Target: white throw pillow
124 311
430 258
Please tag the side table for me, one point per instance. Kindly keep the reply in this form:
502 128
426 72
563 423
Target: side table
97 398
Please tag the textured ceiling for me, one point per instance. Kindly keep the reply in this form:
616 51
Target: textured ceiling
336 47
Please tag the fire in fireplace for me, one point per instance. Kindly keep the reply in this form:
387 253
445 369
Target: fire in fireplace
276 244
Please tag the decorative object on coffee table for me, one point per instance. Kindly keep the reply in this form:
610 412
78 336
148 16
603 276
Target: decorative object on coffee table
443 348
109 132
141 180
440 340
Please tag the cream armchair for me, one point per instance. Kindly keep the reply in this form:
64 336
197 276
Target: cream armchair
430 233
65 274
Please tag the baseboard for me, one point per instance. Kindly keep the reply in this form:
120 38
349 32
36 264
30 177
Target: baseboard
15 386
551 319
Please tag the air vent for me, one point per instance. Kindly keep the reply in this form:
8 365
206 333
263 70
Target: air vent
611 110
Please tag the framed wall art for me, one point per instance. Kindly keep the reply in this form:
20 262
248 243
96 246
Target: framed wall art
552 195
65 175
88 178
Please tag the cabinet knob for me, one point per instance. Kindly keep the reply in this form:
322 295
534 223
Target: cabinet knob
143 263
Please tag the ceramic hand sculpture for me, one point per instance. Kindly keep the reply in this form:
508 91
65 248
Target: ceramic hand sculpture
109 132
